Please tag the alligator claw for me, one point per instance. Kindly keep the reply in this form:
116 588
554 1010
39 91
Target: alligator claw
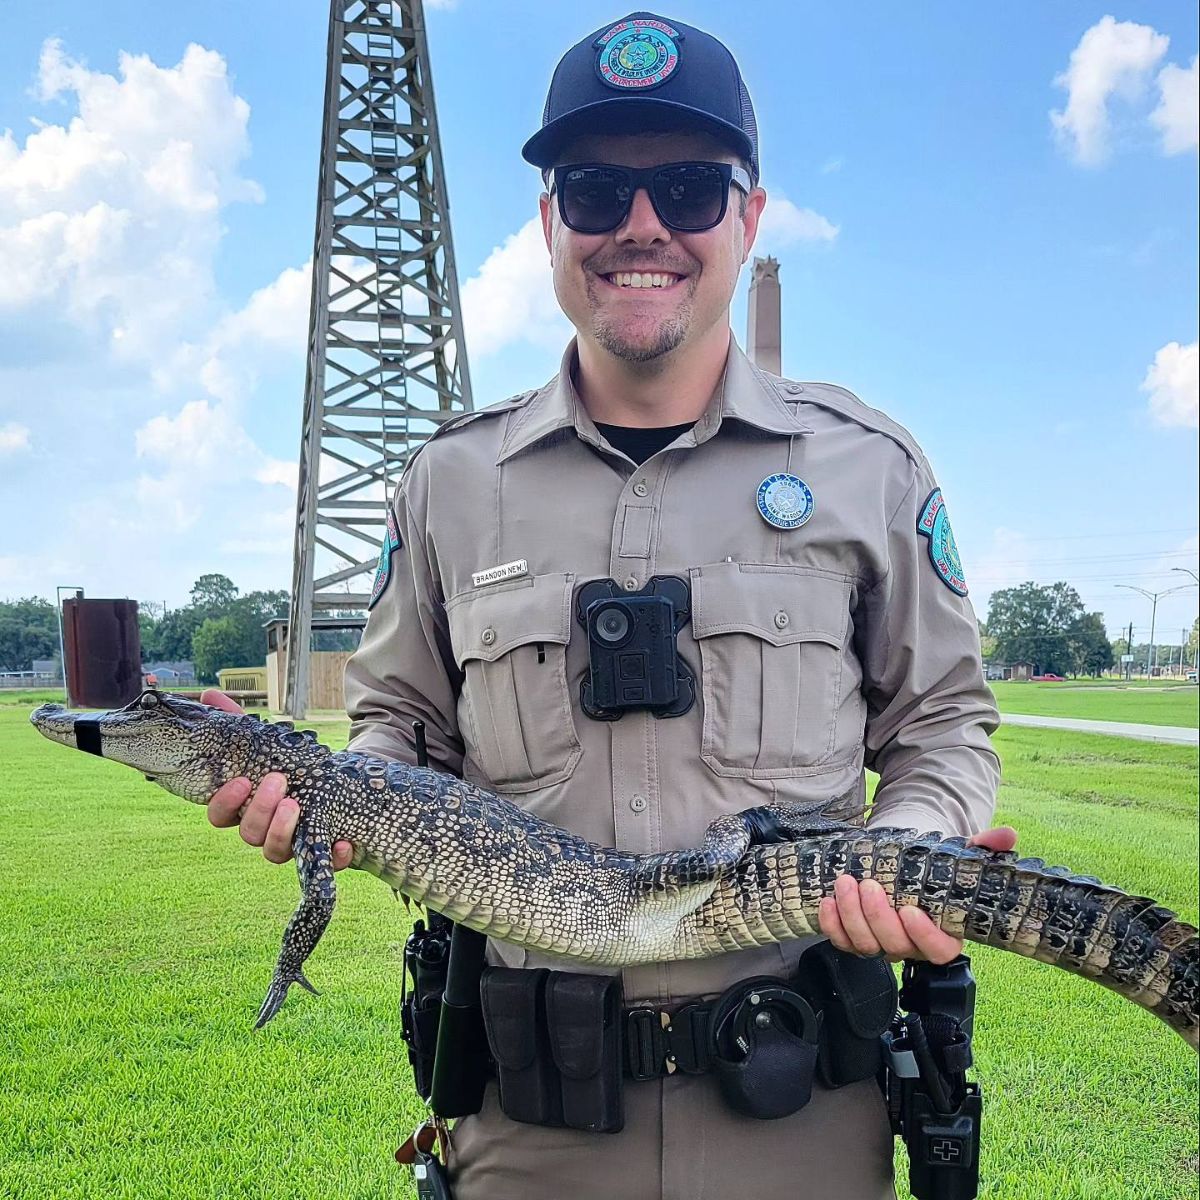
277 994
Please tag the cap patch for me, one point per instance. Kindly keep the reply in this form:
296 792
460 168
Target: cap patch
637 54
934 524
383 572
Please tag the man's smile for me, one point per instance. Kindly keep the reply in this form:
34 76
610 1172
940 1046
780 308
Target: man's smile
657 280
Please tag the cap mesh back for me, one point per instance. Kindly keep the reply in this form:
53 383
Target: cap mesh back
749 124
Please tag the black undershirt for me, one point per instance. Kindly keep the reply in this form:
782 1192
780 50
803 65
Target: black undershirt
641 444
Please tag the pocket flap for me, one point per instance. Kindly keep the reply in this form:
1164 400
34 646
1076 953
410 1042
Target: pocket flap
781 605
489 621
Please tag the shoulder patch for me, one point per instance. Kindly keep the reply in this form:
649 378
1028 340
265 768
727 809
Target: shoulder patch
934 525
383 572
847 404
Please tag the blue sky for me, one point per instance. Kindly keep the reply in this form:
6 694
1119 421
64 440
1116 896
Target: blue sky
1017 289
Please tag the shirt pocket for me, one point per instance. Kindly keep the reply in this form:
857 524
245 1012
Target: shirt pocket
515 711
772 645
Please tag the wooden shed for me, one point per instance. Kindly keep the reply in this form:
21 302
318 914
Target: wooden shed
326 668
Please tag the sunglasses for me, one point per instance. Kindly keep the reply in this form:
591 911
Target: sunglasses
688 197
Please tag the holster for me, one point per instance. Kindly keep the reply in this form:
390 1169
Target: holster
858 998
556 1038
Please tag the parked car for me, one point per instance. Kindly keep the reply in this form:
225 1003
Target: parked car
1048 679
1191 677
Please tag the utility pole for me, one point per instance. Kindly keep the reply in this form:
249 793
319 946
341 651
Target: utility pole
1151 657
387 363
1129 651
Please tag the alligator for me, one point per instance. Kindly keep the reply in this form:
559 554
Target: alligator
758 877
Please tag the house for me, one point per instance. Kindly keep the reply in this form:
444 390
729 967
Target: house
174 674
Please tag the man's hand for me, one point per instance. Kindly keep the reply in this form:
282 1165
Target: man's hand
269 817
859 917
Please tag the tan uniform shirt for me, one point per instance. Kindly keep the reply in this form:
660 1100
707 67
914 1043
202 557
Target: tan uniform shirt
817 649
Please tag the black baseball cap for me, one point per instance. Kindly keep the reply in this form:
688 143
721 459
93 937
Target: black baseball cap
646 72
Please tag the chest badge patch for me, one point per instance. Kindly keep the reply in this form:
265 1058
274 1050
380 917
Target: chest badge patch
383 572
785 501
934 524
637 54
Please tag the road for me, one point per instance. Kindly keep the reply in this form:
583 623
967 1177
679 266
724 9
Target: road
1180 735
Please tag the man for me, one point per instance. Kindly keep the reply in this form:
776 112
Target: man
827 622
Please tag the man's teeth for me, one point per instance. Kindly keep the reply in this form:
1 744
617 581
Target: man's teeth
636 279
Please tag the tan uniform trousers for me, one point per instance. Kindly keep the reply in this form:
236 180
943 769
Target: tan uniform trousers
681 1142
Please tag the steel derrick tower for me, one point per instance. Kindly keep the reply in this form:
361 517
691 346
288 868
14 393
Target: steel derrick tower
386 357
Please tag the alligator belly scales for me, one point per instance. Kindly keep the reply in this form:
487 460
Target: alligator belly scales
759 876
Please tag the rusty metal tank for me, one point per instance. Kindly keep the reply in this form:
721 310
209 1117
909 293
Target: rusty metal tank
103 649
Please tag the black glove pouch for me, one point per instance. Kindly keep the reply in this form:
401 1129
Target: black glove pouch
857 997
764 1048
557 1041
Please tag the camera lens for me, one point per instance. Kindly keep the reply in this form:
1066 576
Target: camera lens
612 625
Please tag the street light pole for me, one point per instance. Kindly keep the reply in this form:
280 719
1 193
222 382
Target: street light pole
1153 598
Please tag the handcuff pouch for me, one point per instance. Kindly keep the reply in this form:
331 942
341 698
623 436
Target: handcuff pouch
764 1043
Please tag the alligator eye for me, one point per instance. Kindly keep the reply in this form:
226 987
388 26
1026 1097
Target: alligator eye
150 700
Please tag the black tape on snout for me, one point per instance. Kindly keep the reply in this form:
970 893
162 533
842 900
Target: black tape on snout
87 735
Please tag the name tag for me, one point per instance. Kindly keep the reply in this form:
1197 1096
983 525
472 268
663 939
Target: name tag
509 570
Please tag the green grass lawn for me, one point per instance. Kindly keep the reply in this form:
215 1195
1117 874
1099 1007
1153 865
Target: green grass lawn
1179 705
137 943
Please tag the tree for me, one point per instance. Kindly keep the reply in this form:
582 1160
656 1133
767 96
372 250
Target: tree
217 644
175 631
1034 624
1091 650
1193 642
28 630
213 595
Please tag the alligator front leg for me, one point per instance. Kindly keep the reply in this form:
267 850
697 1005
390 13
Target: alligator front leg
318 893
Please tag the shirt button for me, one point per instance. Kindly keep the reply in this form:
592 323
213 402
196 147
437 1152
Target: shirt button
638 803
640 489
781 620
488 637
794 388
631 584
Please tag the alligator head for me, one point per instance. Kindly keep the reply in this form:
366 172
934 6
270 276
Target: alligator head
190 749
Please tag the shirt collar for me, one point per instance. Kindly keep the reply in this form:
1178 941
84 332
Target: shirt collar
744 393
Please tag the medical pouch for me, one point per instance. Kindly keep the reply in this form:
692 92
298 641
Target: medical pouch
514 1018
584 1017
858 998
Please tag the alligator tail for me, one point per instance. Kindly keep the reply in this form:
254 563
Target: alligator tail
1127 943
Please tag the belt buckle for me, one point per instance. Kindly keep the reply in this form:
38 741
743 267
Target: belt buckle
661 1043
648 1055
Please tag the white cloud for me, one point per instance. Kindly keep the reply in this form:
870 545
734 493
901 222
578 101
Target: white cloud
511 297
13 438
785 224
1173 382
113 218
202 441
1115 60
1178 111
1112 58
271 327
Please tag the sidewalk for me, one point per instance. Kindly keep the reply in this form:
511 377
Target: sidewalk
1180 735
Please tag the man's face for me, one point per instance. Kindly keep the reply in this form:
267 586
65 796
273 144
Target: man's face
640 324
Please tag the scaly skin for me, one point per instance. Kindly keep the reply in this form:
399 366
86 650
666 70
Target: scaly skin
759 877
